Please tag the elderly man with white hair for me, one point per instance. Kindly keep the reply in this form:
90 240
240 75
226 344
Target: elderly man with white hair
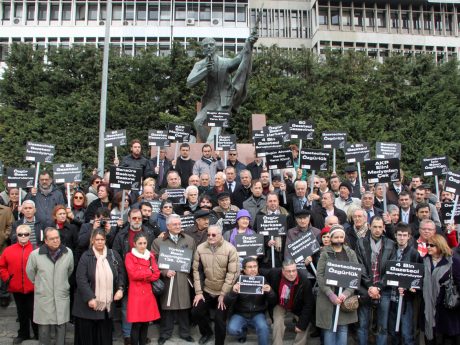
191 202
28 211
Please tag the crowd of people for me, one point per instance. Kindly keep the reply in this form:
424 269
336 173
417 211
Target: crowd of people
83 263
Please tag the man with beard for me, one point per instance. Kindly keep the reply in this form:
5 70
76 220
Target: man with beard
46 197
184 164
146 211
208 164
135 159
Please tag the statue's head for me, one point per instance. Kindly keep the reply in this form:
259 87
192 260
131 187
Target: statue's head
209 45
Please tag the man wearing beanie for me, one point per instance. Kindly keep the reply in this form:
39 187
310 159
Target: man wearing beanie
345 200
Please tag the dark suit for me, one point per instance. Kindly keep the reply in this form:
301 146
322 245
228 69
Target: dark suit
150 172
319 215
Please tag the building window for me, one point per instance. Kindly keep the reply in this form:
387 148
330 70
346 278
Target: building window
180 13
241 13
129 12
116 12
370 19
66 11
42 9
153 12
416 22
405 20
103 11
81 12
229 15
6 11
346 17
30 11
394 19
92 12
335 16
217 11
165 11
205 12
358 19
54 14
323 16
17 10
141 12
427 24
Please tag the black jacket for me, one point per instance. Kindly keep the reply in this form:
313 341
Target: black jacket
84 237
319 215
364 252
240 195
304 300
121 242
137 163
150 172
248 305
86 283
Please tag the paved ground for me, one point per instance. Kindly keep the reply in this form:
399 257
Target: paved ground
9 326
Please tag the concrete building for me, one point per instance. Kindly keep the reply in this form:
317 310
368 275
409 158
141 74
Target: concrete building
377 27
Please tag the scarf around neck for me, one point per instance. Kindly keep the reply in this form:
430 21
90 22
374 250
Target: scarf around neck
137 254
104 281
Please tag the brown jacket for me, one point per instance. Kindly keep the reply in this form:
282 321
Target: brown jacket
215 271
6 222
181 298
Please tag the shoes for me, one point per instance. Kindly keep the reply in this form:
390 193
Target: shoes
188 339
161 340
127 340
242 340
205 338
18 340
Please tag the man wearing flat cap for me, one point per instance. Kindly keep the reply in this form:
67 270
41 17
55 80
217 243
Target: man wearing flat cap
199 230
351 174
345 200
225 204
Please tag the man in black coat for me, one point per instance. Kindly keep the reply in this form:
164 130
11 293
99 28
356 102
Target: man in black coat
184 164
319 214
295 298
135 159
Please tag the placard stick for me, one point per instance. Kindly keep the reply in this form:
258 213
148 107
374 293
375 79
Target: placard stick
436 182
333 161
158 156
359 177
176 150
171 284
312 182
398 316
337 311
284 197
68 195
385 207
273 252
37 173
313 268
452 216
123 194
225 159
300 149
20 202
116 151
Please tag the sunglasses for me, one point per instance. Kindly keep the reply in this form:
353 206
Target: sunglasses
97 182
78 198
431 245
212 235
136 218
25 234
232 154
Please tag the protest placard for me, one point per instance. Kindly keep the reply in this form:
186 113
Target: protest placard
343 273
187 221
278 131
406 275
39 152
226 142
158 137
67 172
382 170
435 166
279 159
445 213
20 177
263 144
216 118
304 246
179 133
358 152
176 195
302 129
388 150
125 178
175 259
273 225
334 140
250 245
251 284
312 159
115 138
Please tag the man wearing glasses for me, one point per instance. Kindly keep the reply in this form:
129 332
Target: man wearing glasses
215 271
235 163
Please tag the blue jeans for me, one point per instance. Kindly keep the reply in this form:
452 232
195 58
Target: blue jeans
336 338
238 325
383 310
406 326
125 325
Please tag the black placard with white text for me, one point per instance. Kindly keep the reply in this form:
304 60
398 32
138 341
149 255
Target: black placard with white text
304 246
273 225
358 152
179 133
452 184
263 145
187 221
115 138
226 142
279 159
343 273
387 150
312 159
407 275
435 166
158 137
251 284
229 220
250 245
20 177
278 131
445 213
39 152
334 140
176 195
218 118
302 129
67 172
175 259
382 170
125 178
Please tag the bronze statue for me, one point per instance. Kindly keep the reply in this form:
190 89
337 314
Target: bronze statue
223 93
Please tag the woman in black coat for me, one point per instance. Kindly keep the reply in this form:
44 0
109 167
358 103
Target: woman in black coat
101 280
442 325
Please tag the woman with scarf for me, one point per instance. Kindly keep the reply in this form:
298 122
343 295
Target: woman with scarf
166 209
67 231
328 298
442 325
142 307
76 214
243 220
101 280
13 201
104 199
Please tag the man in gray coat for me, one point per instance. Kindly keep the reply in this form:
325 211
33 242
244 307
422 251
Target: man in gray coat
181 302
49 268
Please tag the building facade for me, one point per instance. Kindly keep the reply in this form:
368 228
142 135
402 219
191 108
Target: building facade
377 27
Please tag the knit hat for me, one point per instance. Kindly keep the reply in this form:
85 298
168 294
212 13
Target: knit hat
347 185
336 228
243 213
325 230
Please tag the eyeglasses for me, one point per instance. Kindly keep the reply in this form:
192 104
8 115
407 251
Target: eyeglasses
232 154
212 235
25 234
97 182
78 197
136 218
431 245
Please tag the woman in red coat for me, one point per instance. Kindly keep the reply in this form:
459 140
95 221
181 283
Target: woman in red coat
142 270
13 269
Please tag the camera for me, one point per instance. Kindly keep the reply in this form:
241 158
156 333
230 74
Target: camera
102 222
